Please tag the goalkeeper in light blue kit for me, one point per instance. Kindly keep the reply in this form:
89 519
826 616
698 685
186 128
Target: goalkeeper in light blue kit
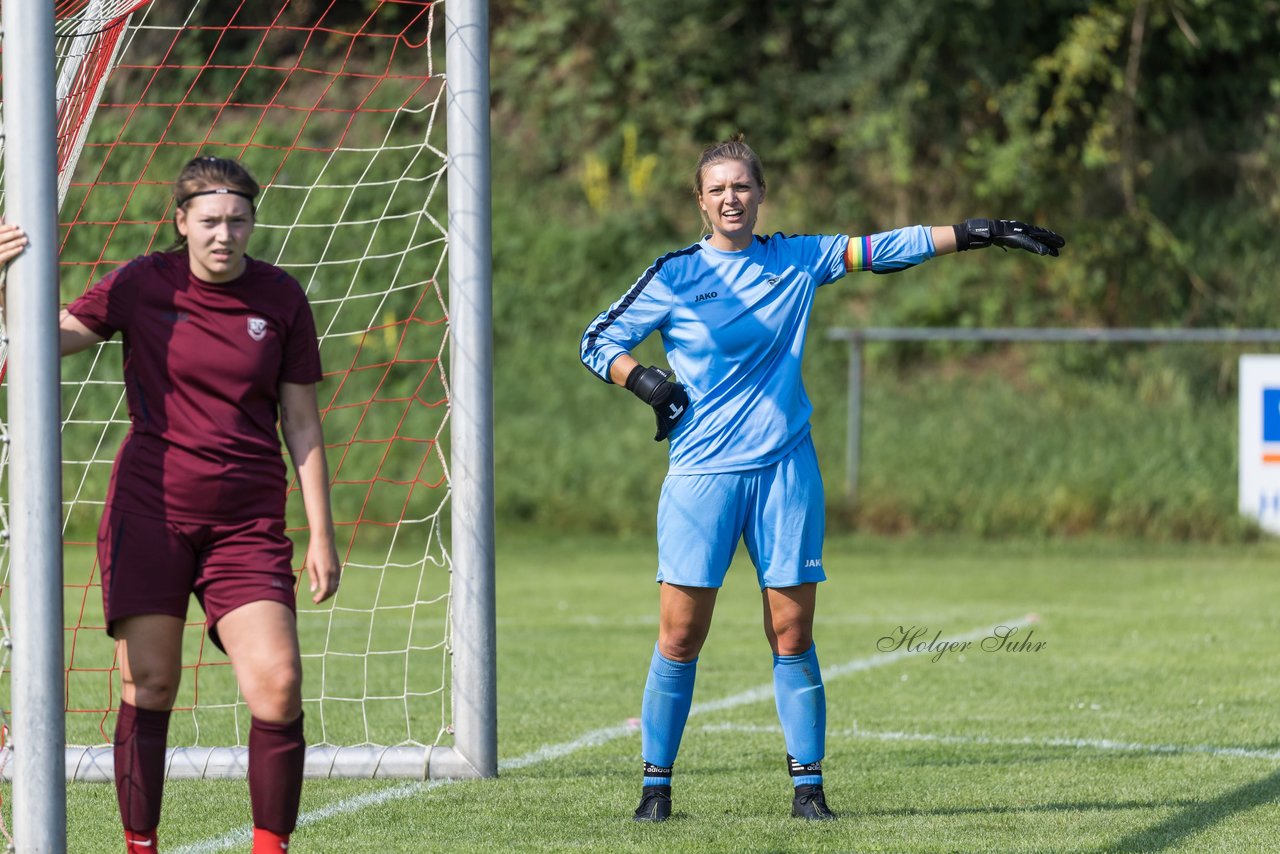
732 310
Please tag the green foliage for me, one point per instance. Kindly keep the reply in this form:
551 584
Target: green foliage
998 452
1116 123
1145 131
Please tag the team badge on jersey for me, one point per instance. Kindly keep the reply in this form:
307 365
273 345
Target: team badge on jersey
257 328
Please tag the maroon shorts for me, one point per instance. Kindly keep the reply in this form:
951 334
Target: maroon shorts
152 566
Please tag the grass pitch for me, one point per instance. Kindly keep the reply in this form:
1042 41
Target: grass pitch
1143 721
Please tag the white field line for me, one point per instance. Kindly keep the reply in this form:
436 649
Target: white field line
594 738
1105 744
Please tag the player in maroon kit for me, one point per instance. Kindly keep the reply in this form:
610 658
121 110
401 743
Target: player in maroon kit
216 346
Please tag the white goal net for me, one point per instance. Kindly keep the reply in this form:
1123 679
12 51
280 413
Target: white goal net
338 109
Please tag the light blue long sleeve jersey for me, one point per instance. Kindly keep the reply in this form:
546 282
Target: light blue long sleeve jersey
733 325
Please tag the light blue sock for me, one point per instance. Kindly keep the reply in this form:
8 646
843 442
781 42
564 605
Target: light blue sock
668 694
802 709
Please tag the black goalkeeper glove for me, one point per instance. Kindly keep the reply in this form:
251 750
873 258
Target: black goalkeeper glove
1005 233
669 399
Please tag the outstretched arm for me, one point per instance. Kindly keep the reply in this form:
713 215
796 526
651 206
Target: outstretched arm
902 248
944 239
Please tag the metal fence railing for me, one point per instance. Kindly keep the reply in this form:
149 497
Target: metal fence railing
859 338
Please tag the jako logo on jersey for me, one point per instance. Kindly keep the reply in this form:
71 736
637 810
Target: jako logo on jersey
812 562
257 328
774 281
706 296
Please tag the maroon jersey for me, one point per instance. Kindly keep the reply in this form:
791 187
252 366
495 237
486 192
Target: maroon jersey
203 365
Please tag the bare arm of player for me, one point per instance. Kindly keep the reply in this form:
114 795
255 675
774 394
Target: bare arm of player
74 336
944 239
300 424
622 368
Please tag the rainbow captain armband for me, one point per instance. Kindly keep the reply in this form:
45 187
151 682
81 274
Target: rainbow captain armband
857 255
889 251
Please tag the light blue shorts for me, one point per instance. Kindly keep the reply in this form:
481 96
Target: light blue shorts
779 511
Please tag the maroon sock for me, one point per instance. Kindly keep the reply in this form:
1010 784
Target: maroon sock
139 757
277 753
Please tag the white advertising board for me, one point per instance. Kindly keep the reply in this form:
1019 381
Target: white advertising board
1260 440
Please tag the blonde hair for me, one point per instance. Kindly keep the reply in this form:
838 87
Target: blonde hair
721 152
734 149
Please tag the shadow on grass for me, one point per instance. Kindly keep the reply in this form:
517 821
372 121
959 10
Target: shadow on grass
1194 815
1200 815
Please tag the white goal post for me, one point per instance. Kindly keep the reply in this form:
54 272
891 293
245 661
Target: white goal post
37 176
34 524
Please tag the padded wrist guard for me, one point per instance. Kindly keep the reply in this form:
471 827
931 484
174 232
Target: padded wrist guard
669 399
646 383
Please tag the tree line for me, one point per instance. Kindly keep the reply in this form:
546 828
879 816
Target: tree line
1144 129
